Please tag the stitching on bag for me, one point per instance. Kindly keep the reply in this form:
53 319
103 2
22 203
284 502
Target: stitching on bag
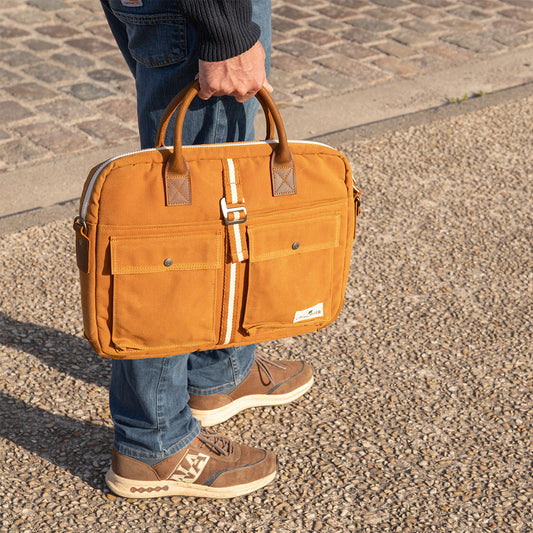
175 194
124 346
117 270
289 174
323 245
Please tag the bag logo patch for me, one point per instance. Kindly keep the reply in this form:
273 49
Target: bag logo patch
190 467
307 314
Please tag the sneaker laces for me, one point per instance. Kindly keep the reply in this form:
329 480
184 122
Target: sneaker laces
263 363
216 442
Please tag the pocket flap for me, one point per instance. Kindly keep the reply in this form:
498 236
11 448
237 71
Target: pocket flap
293 237
141 255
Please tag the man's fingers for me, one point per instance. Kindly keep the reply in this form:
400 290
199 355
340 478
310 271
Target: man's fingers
204 95
240 76
240 93
205 91
242 99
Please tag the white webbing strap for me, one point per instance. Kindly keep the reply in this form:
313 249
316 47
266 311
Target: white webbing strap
231 302
234 212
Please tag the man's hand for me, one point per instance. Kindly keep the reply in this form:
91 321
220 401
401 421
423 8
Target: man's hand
240 76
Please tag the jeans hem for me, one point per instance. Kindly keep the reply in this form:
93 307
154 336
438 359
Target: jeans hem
226 387
160 456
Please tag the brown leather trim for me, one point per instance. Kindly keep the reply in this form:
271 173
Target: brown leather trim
177 183
282 163
167 114
283 177
178 99
82 247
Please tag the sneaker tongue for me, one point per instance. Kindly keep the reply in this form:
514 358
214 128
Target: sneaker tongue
216 442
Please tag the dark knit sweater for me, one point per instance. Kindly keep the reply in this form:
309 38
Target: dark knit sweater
225 27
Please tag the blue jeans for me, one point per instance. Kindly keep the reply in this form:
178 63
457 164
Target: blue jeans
148 398
159 46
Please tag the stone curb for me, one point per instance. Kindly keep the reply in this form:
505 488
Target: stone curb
65 87
42 215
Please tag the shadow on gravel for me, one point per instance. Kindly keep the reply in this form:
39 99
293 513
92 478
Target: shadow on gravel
59 350
80 447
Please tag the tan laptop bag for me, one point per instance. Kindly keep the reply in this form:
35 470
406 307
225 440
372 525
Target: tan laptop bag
190 248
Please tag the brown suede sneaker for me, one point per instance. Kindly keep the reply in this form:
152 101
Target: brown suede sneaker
269 383
211 467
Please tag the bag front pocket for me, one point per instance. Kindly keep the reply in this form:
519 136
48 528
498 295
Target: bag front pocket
290 272
164 290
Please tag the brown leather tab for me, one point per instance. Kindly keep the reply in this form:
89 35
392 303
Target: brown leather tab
177 173
177 182
282 163
178 190
283 177
82 246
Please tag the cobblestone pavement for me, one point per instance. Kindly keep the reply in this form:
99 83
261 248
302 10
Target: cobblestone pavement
420 419
64 86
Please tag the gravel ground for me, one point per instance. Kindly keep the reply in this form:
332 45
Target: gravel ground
421 416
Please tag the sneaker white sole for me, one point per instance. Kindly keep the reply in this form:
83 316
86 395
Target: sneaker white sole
130 488
216 416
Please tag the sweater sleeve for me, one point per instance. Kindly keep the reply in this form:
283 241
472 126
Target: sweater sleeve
225 27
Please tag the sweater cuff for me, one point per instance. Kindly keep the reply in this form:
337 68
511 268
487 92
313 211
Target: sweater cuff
225 27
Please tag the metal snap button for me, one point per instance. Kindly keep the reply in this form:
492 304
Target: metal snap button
167 262
295 245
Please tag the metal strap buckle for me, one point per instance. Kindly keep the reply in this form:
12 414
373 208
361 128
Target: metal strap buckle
226 211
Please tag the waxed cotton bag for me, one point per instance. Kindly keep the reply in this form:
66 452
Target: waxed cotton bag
189 248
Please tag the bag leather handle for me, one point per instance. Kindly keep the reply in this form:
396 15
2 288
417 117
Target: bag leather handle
177 173
176 102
